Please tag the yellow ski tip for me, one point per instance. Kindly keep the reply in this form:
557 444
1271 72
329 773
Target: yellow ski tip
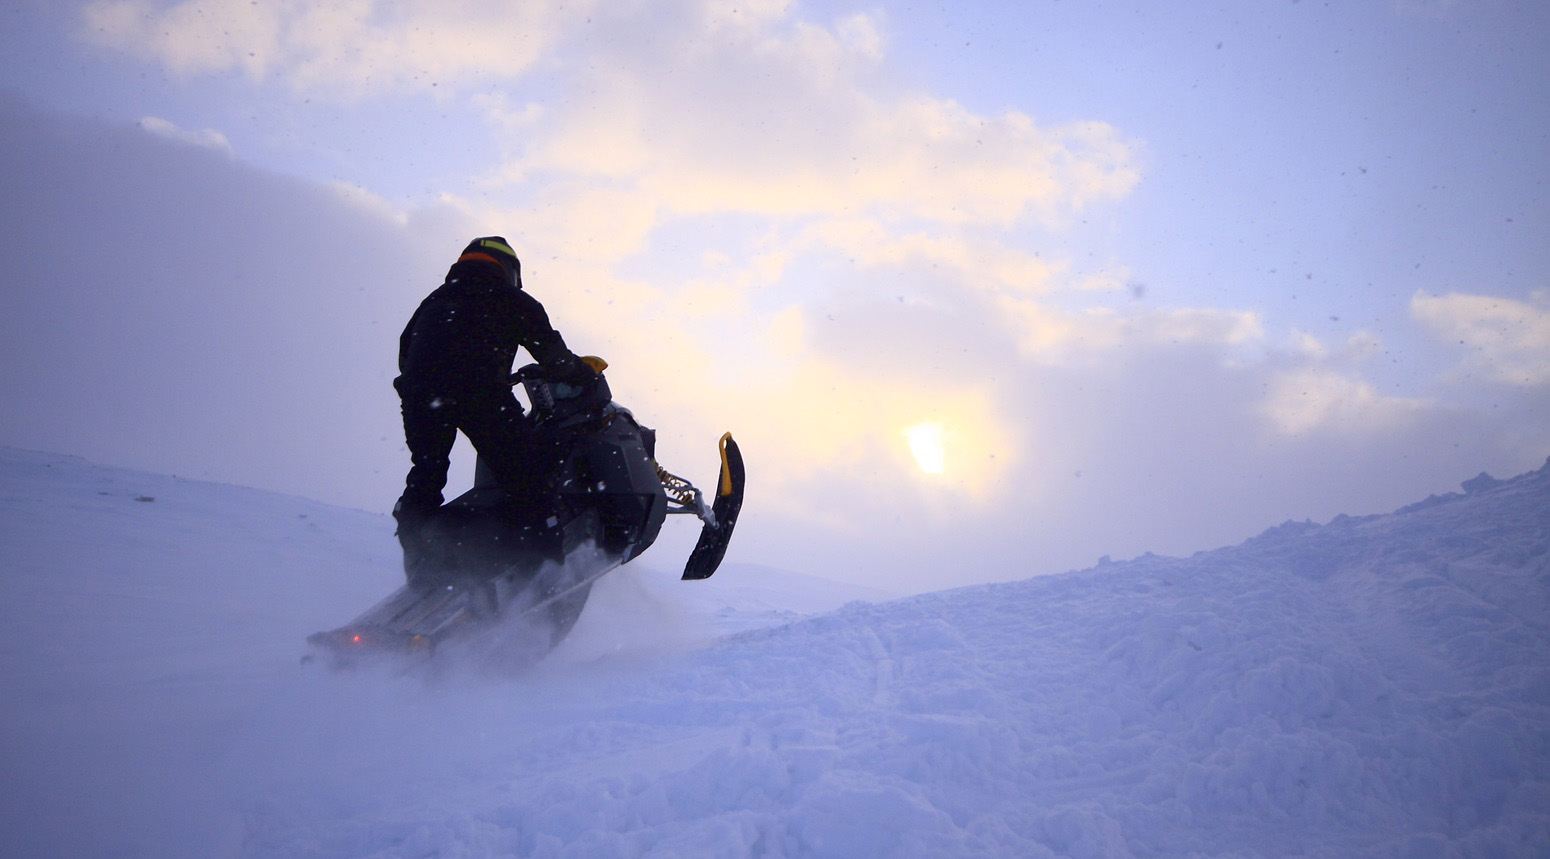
726 472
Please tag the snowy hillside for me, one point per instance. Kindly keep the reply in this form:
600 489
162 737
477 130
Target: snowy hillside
1376 686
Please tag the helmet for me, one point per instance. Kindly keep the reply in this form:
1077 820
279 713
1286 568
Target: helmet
494 249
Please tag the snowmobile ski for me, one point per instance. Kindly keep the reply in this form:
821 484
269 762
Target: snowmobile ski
717 530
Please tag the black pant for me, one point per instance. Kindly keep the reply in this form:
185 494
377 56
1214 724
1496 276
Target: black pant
498 431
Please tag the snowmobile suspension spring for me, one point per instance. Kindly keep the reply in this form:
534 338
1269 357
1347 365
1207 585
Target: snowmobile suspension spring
678 489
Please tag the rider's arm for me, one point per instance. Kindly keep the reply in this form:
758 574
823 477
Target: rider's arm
544 342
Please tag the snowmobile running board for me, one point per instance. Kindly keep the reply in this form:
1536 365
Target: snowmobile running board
415 620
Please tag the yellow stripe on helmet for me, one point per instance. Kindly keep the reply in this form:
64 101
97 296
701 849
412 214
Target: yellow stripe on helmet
499 246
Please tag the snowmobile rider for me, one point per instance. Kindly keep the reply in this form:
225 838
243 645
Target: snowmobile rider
454 360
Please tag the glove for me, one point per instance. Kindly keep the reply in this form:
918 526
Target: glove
577 371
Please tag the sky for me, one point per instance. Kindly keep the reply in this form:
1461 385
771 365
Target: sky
983 290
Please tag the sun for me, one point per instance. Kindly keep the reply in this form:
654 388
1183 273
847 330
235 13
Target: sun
927 443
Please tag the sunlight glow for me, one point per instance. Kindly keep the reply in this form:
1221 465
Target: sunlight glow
927 443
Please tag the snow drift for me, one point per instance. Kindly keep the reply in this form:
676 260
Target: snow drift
1374 686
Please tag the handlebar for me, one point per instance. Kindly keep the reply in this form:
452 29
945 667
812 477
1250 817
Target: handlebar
552 396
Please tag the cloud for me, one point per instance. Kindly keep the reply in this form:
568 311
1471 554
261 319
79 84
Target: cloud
1305 401
597 223
1505 340
348 50
910 158
208 138
370 203
759 111
980 262
1053 335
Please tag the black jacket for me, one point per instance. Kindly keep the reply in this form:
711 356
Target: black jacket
462 340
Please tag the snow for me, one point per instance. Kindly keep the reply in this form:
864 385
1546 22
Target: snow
1373 686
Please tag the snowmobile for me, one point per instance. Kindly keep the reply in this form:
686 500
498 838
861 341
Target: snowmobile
487 559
